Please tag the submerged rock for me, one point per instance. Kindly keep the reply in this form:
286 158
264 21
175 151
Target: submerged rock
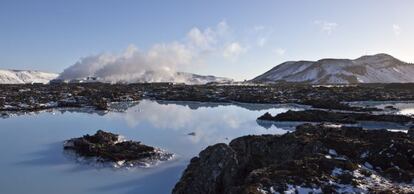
335 117
109 147
331 104
4 115
390 107
314 158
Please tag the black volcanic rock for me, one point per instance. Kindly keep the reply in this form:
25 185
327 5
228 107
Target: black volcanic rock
267 117
410 131
101 96
317 159
109 147
335 117
335 105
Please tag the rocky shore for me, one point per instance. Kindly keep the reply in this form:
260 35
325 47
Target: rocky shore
336 117
107 147
314 158
35 97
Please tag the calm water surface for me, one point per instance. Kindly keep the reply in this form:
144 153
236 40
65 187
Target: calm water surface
32 159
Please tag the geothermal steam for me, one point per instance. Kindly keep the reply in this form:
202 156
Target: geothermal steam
158 64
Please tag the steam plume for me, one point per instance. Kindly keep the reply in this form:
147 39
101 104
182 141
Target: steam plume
158 64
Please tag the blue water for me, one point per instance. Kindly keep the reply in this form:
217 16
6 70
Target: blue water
32 159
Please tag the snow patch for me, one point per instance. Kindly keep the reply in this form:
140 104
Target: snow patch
25 77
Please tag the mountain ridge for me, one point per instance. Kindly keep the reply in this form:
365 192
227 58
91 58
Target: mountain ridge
13 76
379 68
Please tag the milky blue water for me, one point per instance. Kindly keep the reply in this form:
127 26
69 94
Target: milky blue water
33 161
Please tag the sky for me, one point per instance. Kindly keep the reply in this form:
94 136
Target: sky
239 39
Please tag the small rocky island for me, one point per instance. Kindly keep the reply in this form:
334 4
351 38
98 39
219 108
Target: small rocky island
313 159
336 117
108 147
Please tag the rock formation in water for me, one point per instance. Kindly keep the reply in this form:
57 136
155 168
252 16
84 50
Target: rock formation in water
335 117
109 147
314 158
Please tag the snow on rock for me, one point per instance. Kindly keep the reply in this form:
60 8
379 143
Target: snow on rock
190 78
380 68
25 76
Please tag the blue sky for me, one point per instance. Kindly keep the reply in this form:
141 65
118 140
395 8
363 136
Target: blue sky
51 35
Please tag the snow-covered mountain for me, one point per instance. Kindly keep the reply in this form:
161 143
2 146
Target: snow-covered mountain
380 68
191 78
152 76
25 76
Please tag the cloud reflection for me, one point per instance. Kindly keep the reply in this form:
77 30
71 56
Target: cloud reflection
211 122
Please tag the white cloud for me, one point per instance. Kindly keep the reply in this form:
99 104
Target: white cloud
233 50
259 28
397 29
160 62
261 41
223 28
279 51
262 35
209 38
325 26
201 39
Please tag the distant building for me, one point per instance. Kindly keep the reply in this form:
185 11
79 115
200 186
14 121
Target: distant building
76 81
57 81
91 79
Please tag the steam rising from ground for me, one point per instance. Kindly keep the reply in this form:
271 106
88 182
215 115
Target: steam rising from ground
158 64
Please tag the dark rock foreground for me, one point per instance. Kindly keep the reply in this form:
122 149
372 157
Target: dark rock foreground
109 147
335 117
314 158
100 96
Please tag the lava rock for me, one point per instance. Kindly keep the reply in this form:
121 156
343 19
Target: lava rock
391 108
335 117
109 147
267 116
218 163
101 105
411 131
314 158
331 104
99 95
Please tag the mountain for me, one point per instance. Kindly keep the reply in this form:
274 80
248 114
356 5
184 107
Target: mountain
152 76
380 68
191 78
25 76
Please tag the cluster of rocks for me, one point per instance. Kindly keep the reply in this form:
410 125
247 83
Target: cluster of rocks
33 97
37 97
313 159
108 147
327 97
336 117
333 104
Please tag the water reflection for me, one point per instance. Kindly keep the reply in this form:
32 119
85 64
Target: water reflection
395 107
209 122
92 111
31 144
